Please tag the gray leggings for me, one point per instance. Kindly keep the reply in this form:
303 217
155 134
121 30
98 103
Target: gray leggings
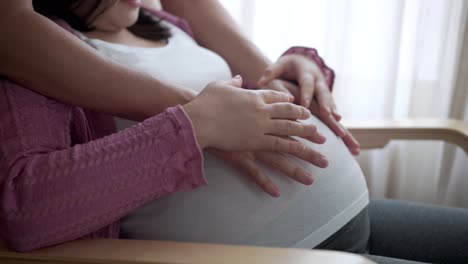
399 232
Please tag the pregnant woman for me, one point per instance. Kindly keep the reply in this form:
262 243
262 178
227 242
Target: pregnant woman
229 209
330 213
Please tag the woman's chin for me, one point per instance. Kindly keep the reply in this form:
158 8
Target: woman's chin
132 3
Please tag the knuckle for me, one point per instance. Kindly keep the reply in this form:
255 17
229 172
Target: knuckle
293 147
299 148
304 111
308 78
264 183
312 128
255 172
277 143
275 160
258 105
322 88
269 71
291 109
289 127
277 95
297 172
304 130
324 113
215 84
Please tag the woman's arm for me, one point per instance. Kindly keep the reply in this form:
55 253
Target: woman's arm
52 193
215 29
39 54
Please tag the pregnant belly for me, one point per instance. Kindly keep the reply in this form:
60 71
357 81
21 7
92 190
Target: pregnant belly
233 210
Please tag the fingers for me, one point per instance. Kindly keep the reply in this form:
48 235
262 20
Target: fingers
351 143
271 97
334 125
295 148
278 85
328 119
337 128
307 83
288 111
283 164
273 71
285 87
245 161
293 128
336 115
293 89
248 164
326 102
324 97
235 81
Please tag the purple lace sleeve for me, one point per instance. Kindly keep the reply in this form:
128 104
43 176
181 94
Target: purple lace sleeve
52 190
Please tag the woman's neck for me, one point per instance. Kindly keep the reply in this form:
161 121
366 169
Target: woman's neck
124 36
119 36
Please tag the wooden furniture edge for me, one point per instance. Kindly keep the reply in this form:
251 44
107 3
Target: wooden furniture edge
377 134
103 251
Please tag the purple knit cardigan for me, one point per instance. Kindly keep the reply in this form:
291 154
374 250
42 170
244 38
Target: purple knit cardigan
65 173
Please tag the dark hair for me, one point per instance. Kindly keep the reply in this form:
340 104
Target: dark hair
80 14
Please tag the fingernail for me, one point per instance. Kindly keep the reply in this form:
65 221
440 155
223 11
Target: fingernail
343 132
306 102
340 130
308 179
273 190
237 77
356 152
322 139
336 114
323 162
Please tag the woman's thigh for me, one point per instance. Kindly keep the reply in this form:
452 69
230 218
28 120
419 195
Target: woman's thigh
420 232
391 231
353 237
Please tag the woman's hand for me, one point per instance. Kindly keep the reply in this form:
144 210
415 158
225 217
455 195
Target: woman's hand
308 75
312 91
229 118
248 163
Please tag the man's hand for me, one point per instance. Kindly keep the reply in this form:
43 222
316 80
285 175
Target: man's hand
248 163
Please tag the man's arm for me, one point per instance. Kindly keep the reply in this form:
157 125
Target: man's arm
37 53
215 29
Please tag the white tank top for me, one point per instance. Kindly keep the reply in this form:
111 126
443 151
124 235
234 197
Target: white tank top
231 209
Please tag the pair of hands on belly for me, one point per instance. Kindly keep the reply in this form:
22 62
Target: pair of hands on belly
312 92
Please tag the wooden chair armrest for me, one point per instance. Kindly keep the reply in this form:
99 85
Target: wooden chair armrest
377 134
105 251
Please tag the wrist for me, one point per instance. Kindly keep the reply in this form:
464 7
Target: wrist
196 117
154 103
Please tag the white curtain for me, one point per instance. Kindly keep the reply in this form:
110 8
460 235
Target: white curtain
394 59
